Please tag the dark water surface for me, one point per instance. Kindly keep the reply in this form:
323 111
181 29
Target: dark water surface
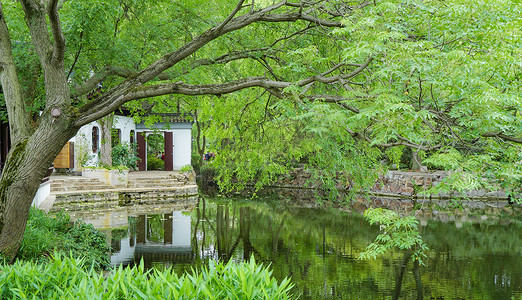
318 249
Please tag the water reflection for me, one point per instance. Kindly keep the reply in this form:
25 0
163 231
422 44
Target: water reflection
158 238
318 249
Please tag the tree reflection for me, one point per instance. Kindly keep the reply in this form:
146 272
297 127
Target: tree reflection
318 249
416 274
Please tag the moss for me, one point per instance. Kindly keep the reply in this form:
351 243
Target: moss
9 174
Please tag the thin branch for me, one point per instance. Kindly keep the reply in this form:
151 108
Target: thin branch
334 99
239 6
321 78
446 43
76 57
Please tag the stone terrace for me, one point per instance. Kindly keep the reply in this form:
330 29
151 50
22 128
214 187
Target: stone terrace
77 192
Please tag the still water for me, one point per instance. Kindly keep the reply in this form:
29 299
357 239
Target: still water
319 249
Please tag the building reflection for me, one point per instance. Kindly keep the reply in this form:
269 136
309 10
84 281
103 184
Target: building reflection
157 239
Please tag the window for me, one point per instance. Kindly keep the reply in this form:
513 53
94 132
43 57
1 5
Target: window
132 137
95 139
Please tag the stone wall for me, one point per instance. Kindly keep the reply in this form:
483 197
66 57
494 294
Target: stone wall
393 184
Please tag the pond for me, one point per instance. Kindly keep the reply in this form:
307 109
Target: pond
318 249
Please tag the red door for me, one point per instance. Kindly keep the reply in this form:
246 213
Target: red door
169 158
142 152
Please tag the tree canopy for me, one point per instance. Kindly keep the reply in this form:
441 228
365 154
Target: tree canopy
441 79
335 85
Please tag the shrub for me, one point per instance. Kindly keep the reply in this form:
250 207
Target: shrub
66 277
125 155
45 234
186 168
196 161
154 163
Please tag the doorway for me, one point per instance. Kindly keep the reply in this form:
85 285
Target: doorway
155 151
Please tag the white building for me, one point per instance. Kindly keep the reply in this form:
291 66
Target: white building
175 129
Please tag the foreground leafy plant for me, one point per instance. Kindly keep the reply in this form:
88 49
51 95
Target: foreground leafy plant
46 234
66 277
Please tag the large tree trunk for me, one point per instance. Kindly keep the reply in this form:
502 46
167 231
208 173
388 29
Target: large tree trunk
106 140
26 165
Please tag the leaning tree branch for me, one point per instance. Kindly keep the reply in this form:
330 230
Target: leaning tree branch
108 71
19 123
167 61
503 136
59 39
180 88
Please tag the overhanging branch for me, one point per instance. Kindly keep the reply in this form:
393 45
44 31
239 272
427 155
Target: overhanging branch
503 136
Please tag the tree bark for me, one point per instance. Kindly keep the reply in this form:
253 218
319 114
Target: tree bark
26 165
106 140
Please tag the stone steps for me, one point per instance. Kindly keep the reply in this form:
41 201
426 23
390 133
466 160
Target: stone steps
154 184
71 183
145 182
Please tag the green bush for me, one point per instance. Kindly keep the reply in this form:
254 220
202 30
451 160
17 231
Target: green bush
68 278
154 163
45 234
196 161
186 168
125 155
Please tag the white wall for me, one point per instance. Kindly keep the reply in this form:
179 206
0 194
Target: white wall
43 192
83 139
125 124
83 143
182 148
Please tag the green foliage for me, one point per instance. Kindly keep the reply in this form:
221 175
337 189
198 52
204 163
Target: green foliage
125 154
410 93
154 163
407 98
46 234
449 160
395 232
65 277
82 151
155 144
85 241
195 159
186 168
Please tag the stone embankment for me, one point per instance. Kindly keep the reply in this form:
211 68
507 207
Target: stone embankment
401 184
79 193
400 191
